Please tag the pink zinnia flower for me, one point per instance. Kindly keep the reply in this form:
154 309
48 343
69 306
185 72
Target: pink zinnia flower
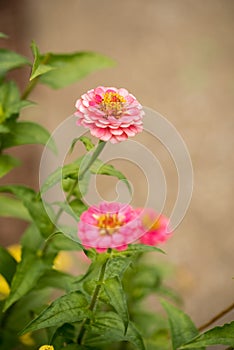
111 114
109 225
156 227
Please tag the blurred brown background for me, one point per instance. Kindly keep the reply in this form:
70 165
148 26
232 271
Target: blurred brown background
177 57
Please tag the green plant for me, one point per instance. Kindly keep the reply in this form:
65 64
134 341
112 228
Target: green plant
105 306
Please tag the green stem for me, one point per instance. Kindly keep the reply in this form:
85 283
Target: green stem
93 302
29 88
95 155
217 317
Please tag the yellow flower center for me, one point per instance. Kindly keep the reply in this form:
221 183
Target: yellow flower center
149 223
112 104
108 223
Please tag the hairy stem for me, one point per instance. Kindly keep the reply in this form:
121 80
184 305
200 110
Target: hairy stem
217 317
93 302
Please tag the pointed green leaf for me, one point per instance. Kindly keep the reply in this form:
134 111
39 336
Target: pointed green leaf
10 60
7 163
24 133
32 239
69 68
39 67
89 145
109 328
7 265
181 326
117 266
114 289
29 270
11 207
223 335
69 308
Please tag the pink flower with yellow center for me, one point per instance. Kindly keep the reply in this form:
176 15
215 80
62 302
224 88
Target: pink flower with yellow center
156 227
111 114
109 225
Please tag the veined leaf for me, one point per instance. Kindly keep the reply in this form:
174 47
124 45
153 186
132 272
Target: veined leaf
7 163
181 326
69 68
24 133
7 265
69 308
114 290
223 335
10 60
108 328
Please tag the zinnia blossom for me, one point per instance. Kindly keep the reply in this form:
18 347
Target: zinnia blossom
156 227
109 225
111 114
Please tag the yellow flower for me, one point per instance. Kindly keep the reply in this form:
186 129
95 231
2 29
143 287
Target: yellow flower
15 251
4 288
46 347
27 339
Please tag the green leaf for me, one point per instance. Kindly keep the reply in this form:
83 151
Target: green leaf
7 163
62 242
56 279
117 266
10 60
69 68
107 169
21 312
7 265
29 270
32 239
142 248
181 326
89 145
34 206
39 68
223 335
11 207
10 101
68 171
24 133
108 328
69 308
114 289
